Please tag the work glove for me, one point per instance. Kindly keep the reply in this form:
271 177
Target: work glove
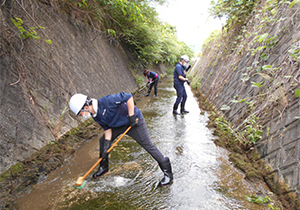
133 120
188 82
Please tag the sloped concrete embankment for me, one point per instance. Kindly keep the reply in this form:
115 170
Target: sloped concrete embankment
37 78
225 77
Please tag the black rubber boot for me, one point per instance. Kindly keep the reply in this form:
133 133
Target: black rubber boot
148 93
175 107
103 168
155 91
165 166
182 110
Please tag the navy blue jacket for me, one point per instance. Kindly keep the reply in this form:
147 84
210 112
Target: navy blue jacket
113 112
179 70
152 75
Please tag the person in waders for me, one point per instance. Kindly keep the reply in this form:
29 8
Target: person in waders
179 80
152 80
115 113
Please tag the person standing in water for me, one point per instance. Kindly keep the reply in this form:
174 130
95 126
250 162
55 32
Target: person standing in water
179 80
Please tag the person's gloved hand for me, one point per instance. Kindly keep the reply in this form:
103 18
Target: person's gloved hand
188 82
133 120
147 85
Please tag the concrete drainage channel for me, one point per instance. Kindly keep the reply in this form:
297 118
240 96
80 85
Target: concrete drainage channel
203 176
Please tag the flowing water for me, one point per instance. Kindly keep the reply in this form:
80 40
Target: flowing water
203 176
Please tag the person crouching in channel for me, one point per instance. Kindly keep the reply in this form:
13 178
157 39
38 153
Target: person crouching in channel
152 81
115 113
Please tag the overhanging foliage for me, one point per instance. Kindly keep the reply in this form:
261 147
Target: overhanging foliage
133 22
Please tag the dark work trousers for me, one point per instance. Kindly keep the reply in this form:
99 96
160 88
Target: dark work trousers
181 95
155 83
141 135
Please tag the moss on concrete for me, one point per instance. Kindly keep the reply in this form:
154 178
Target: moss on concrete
23 175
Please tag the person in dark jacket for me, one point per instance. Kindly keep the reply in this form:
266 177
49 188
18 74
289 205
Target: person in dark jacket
115 113
179 80
152 80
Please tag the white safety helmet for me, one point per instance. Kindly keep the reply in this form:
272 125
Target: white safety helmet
76 102
185 58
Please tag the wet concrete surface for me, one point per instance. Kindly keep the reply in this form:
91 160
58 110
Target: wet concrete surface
203 176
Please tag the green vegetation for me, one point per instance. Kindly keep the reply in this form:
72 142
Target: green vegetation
295 52
134 23
245 158
293 3
253 130
196 83
247 46
249 135
297 93
215 35
236 12
30 33
139 80
24 174
13 170
261 200
245 31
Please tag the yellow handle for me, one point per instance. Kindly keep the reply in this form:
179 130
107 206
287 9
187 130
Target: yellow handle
112 146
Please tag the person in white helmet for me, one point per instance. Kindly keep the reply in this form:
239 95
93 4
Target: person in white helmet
115 113
179 80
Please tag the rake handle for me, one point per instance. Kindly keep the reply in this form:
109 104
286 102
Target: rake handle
111 147
146 85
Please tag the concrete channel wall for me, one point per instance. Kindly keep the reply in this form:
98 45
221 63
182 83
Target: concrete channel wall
37 78
223 79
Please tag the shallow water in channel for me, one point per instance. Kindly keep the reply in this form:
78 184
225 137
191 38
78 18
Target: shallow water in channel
203 176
